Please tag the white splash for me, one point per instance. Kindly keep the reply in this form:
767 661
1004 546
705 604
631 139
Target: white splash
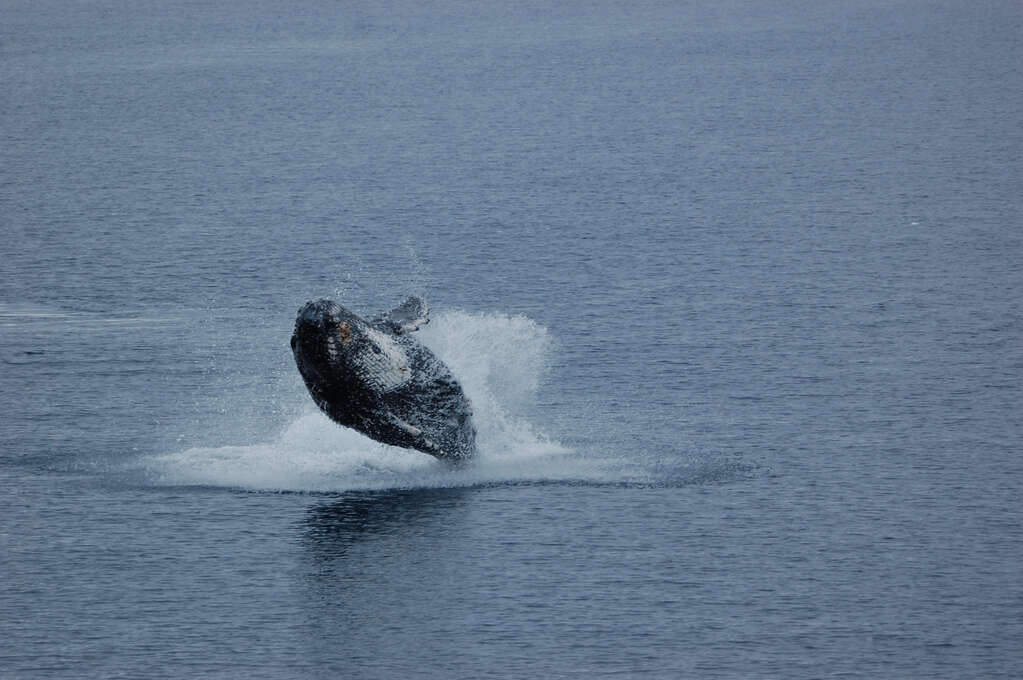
500 361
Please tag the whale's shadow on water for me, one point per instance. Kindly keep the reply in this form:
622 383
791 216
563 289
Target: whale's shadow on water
333 527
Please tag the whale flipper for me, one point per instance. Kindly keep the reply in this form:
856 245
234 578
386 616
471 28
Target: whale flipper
406 317
422 442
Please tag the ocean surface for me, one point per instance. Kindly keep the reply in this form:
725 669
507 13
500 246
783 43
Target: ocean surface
736 290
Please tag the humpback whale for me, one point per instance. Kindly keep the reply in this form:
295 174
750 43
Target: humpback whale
374 377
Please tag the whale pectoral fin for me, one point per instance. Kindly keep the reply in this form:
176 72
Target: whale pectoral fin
416 436
406 317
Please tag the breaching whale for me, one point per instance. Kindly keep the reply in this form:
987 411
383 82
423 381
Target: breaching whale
372 376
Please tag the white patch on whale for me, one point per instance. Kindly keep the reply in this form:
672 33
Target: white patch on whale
382 362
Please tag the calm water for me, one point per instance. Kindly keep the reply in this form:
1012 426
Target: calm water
735 290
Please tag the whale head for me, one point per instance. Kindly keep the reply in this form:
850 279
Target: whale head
336 347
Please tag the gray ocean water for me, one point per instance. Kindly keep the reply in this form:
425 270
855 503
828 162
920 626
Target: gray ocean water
735 289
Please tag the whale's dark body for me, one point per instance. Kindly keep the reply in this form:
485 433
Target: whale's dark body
372 376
